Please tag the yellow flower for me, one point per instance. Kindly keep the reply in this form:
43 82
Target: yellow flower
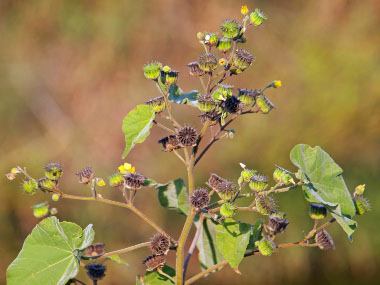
222 61
166 68
244 10
126 168
100 182
276 83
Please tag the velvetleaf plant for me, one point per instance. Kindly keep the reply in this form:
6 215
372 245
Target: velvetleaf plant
54 252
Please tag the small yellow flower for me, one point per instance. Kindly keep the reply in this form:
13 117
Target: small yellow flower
277 83
100 182
222 61
166 68
126 168
244 10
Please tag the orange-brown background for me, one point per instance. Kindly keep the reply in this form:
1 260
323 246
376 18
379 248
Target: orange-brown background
71 70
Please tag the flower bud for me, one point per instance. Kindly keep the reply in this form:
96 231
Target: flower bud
317 211
276 84
244 10
242 59
200 36
211 39
359 190
265 205
30 186
154 262
159 244
116 180
166 69
362 205
257 17
152 70
158 104
53 171
41 210
266 246
207 62
264 104
282 176
206 103
247 174
258 182
324 240
55 197
227 210
224 44
230 29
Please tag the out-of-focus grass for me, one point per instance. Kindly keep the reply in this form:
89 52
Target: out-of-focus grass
71 70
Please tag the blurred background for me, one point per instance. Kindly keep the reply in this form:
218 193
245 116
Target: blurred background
71 70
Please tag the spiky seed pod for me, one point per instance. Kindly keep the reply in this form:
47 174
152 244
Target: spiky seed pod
225 90
224 44
247 174
230 29
265 205
264 104
158 104
324 240
95 249
248 96
233 104
226 190
362 205
282 176
276 224
206 103
215 181
227 210
257 17
46 184
96 271
317 211
242 59
187 136
200 198
30 186
116 179
41 210
266 246
171 77
159 244
170 143
359 190
207 62
152 70
211 39
258 182
85 175
53 171
195 69
134 180
154 262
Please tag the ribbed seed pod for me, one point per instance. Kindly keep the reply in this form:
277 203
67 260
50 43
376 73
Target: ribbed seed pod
53 171
362 205
233 104
200 198
134 180
225 90
282 176
85 175
277 224
154 262
257 17
187 136
324 240
227 210
247 174
96 271
95 249
158 104
170 77
317 211
170 143
116 179
266 246
264 104
248 96
226 190
30 186
152 70
41 210
211 39
230 29
206 103
242 59
258 182
265 205
224 44
207 62
46 184
195 69
159 244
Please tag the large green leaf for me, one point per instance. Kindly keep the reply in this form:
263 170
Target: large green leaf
232 239
50 254
176 95
208 254
324 184
136 126
155 278
174 195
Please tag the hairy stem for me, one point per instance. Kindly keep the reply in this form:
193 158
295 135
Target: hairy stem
163 127
124 250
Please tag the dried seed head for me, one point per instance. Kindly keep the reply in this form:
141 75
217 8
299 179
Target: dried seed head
242 59
362 205
264 104
30 186
152 70
200 198
116 179
317 211
170 143
159 244
277 224
207 62
95 249
134 180
96 271
215 180
233 104
53 170
154 262
324 240
195 69
230 29
266 246
265 205
85 175
158 104
41 210
187 136
212 116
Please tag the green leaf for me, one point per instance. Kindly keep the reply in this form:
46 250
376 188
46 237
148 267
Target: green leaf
50 254
176 95
116 258
232 239
325 184
136 126
256 235
149 182
208 254
173 195
155 278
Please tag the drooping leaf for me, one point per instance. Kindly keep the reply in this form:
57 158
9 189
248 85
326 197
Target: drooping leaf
324 184
208 254
256 234
174 195
50 254
116 258
176 95
232 239
155 278
136 126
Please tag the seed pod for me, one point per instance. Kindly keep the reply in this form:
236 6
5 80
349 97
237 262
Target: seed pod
247 174
158 104
248 96
324 240
211 39
266 246
264 104
41 210
170 143
53 171
212 116
230 29
96 271
282 176
265 205
134 180
226 190
242 59
359 190
232 104
46 184
317 211
116 179
277 224
215 181
187 136
171 77
257 17
224 44
207 62
258 182
224 90
195 69
362 205
152 70
55 197
30 186
200 198
154 262
206 103
85 175
95 249
159 244
227 210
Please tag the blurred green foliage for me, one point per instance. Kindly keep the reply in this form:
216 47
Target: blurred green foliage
71 70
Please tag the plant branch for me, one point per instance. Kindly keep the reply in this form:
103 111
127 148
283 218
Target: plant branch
163 127
123 250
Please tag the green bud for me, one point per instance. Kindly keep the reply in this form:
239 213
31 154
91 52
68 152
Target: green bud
265 205
266 246
206 103
230 29
211 39
46 184
258 183
257 17
225 90
41 210
362 205
116 180
152 70
55 197
264 104
242 59
247 174
171 77
158 104
30 186
248 96
317 211
227 210
53 171
282 176
224 44
359 190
